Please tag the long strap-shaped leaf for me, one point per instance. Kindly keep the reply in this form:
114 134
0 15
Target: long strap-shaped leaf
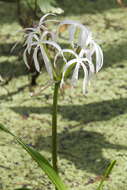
106 174
22 189
42 162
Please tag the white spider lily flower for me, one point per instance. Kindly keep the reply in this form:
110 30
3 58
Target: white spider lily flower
41 25
85 41
35 41
84 60
31 38
84 56
43 21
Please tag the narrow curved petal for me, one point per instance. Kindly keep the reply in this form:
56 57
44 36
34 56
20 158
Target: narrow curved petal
85 80
35 57
74 78
90 69
71 52
47 62
66 66
72 30
99 56
13 47
44 17
25 58
82 52
89 39
69 63
32 29
35 37
30 40
83 36
42 27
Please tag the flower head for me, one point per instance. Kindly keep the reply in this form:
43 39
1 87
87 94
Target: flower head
35 40
84 53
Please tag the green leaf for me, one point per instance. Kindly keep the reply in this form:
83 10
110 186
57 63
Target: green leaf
47 6
106 174
23 188
41 161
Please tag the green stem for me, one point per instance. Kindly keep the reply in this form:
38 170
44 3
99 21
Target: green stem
54 127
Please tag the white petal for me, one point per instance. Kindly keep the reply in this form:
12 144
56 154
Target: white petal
82 52
99 56
35 44
29 42
67 65
83 36
89 39
47 62
74 78
42 27
25 58
37 66
32 29
72 30
91 68
62 83
44 17
36 37
90 64
13 47
85 80
70 51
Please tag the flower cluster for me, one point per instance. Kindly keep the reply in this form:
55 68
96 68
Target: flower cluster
83 50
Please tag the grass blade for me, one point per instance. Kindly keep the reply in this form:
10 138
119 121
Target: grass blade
23 189
106 174
41 161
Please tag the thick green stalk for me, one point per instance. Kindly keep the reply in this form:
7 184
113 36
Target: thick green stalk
54 127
